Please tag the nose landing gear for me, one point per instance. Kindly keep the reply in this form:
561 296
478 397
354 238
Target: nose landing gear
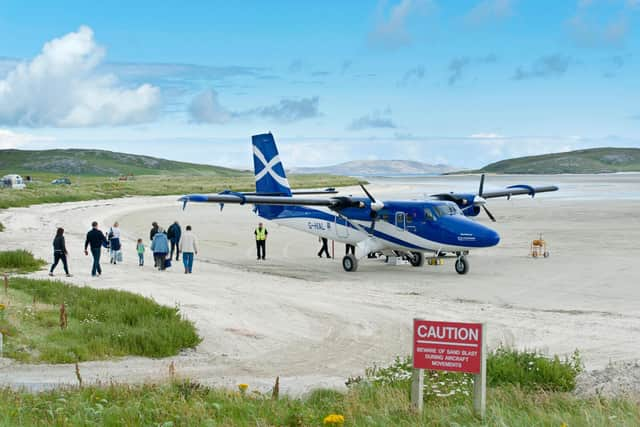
462 264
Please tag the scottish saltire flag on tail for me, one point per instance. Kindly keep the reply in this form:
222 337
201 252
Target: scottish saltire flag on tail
269 172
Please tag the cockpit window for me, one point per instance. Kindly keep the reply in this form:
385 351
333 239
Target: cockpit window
428 215
448 209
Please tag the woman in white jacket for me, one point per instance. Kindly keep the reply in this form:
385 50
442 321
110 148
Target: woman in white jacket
188 247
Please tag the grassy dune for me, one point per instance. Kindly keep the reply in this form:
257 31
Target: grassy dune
19 261
94 187
101 323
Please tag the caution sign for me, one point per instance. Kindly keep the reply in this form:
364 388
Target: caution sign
447 346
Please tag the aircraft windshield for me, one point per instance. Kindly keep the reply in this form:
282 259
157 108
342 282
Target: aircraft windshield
448 209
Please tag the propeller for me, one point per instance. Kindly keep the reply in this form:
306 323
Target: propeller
375 207
481 201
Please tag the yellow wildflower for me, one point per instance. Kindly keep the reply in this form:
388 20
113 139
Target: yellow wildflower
2 307
243 387
564 425
333 420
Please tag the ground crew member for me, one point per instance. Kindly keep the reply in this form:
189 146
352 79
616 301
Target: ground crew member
324 248
261 241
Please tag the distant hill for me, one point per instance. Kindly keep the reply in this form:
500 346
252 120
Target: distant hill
594 160
376 167
100 163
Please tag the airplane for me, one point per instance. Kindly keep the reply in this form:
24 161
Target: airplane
439 225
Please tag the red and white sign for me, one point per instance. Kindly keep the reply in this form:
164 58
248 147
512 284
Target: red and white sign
447 346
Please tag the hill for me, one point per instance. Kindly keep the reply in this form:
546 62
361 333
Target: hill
377 167
594 160
100 163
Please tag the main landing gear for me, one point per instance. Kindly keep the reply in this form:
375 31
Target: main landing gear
349 263
416 259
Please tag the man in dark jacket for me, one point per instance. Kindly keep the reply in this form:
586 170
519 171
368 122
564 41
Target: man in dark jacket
173 234
95 239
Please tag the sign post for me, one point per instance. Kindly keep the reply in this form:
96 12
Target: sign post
449 346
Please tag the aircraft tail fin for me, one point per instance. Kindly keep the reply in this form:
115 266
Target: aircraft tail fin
269 172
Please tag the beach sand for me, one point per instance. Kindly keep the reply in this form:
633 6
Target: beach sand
306 320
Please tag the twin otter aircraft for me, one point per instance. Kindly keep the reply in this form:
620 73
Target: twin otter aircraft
439 225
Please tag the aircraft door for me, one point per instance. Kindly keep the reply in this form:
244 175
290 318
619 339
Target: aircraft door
341 227
401 220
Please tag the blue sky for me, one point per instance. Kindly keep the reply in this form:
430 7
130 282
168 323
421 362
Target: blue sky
463 83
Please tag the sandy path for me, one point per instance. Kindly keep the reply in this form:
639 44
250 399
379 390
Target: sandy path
306 320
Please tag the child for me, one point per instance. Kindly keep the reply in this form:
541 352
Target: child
140 250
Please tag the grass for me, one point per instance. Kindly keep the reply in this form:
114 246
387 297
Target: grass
97 187
1 227
101 324
593 160
528 370
186 403
19 261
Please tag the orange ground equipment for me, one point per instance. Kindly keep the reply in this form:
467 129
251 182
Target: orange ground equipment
539 248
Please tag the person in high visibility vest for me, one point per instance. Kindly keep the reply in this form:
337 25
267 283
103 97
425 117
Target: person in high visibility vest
261 241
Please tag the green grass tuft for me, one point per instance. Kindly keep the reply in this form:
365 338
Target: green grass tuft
102 323
1 227
529 370
19 261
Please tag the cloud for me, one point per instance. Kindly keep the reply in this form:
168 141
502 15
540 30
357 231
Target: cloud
414 74
296 66
290 110
60 87
489 10
346 64
458 65
10 139
601 24
391 31
205 108
375 120
487 135
544 67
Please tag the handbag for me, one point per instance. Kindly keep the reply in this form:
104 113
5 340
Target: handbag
167 263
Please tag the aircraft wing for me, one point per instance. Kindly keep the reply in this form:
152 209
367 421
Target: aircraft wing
516 190
335 203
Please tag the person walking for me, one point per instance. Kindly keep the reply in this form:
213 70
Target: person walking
95 239
188 246
154 230
140 251
324 248
114 243
59 252
173 233
261 241
160 248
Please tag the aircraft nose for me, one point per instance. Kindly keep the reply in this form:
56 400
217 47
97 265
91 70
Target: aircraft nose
492 238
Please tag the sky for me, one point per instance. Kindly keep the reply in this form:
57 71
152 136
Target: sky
462 83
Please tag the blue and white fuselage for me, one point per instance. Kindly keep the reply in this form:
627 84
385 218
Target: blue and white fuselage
405 226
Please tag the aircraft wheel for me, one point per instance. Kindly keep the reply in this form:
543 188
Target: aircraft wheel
462 265
546 254
417 260
349 263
